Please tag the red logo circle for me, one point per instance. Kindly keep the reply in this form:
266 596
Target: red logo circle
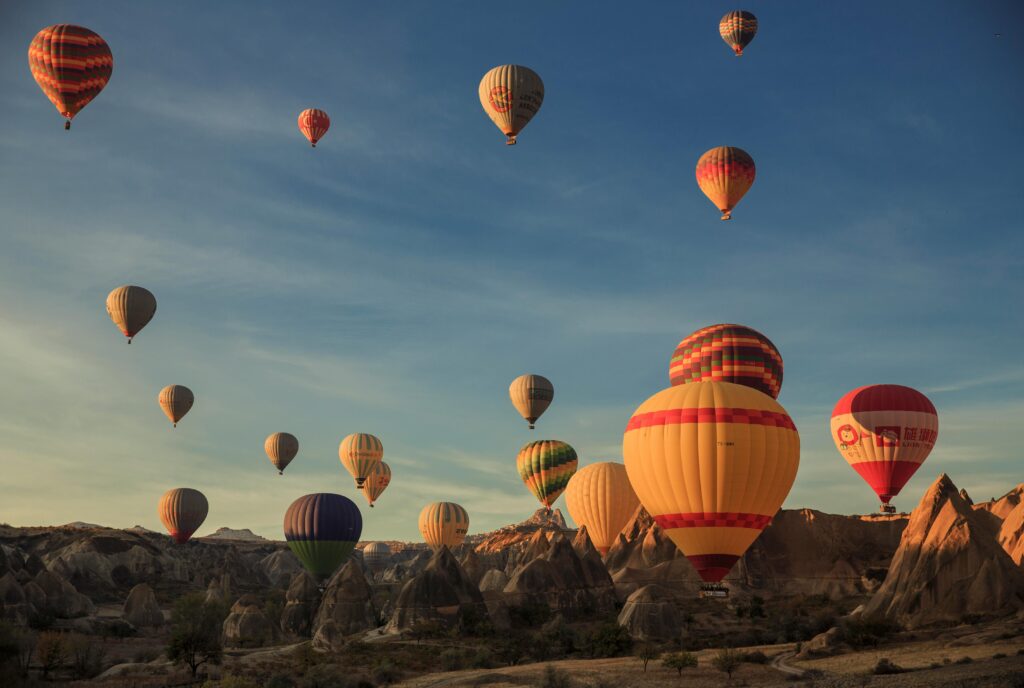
501 99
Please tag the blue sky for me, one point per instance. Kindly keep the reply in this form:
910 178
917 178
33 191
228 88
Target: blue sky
395 279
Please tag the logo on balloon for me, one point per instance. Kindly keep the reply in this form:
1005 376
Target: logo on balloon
501 99
847 435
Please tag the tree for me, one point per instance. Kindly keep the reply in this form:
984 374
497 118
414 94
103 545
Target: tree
727 661
646 653
50 652
86 656
195 632
680 661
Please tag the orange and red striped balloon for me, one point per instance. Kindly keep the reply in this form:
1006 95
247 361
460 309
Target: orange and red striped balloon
314 124
725 174
712 463
71 64
730 353
737 29
885 432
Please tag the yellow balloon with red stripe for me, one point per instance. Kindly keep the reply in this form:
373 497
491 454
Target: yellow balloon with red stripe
377 482
712 463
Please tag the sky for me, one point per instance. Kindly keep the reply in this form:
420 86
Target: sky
395 279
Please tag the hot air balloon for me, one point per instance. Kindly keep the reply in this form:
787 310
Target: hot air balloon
359 453
377 482
444 524
737 29
182 510
511 95
728 353
314 124
175 400
71 64
531 395
885 432
376 555
725 174
546 466
322 529
131 308
712 463
281 448
600 497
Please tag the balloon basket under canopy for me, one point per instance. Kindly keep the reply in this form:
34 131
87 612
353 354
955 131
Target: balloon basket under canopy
887 509
713 591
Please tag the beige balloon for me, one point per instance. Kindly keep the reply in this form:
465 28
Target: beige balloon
511 95
175 400
131 308
444 524
182 510
281 448
531 395
600 497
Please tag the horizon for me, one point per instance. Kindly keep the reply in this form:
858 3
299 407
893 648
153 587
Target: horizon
395 279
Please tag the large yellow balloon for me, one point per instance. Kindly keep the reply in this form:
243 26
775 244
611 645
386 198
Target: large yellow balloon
175 400
600 497
359 453
511 95
444 524
531 395
712 462
725 174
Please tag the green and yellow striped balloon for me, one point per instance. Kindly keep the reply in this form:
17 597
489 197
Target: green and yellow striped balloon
360 453
546 466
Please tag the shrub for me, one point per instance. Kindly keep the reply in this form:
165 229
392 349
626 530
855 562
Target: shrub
386 673
231 681
453 659
609 640
195 632
482 659
884 666
51 652
867 633
964 660
329 676
999 655
553 678
557 638
530 615
679 661
646 653
86 656
281 681
727 661
755 657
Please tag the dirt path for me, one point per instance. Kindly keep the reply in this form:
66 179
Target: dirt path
779 663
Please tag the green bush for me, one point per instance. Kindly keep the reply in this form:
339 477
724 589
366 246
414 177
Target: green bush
609 640
558 639
679 661
281 681
755 657
482 659
386 673
453 659
885 666
867 633
727 661
86 656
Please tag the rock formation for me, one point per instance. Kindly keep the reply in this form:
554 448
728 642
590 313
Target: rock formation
247 625
62 599
650 613
141 608
280 567
1011 534
494 579
563 582
347 608
948 565
301 603
441 593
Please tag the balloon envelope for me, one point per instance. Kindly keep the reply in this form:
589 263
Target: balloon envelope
601 498
511 95
175 400
377 555
546 466
712 463
359 453
885 432
131 308
314 124
531 395
728 353
281 448
725 174
182 510
737 29
377 482
444 524
322 529
71 64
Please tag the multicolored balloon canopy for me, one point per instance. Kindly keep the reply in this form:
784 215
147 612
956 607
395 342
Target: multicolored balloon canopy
728 353
71 64
601 498
725 174
182 510
737 29
444 524
322 529
314 124
885 432
359 453
511 95
377 482
712 463
546 466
